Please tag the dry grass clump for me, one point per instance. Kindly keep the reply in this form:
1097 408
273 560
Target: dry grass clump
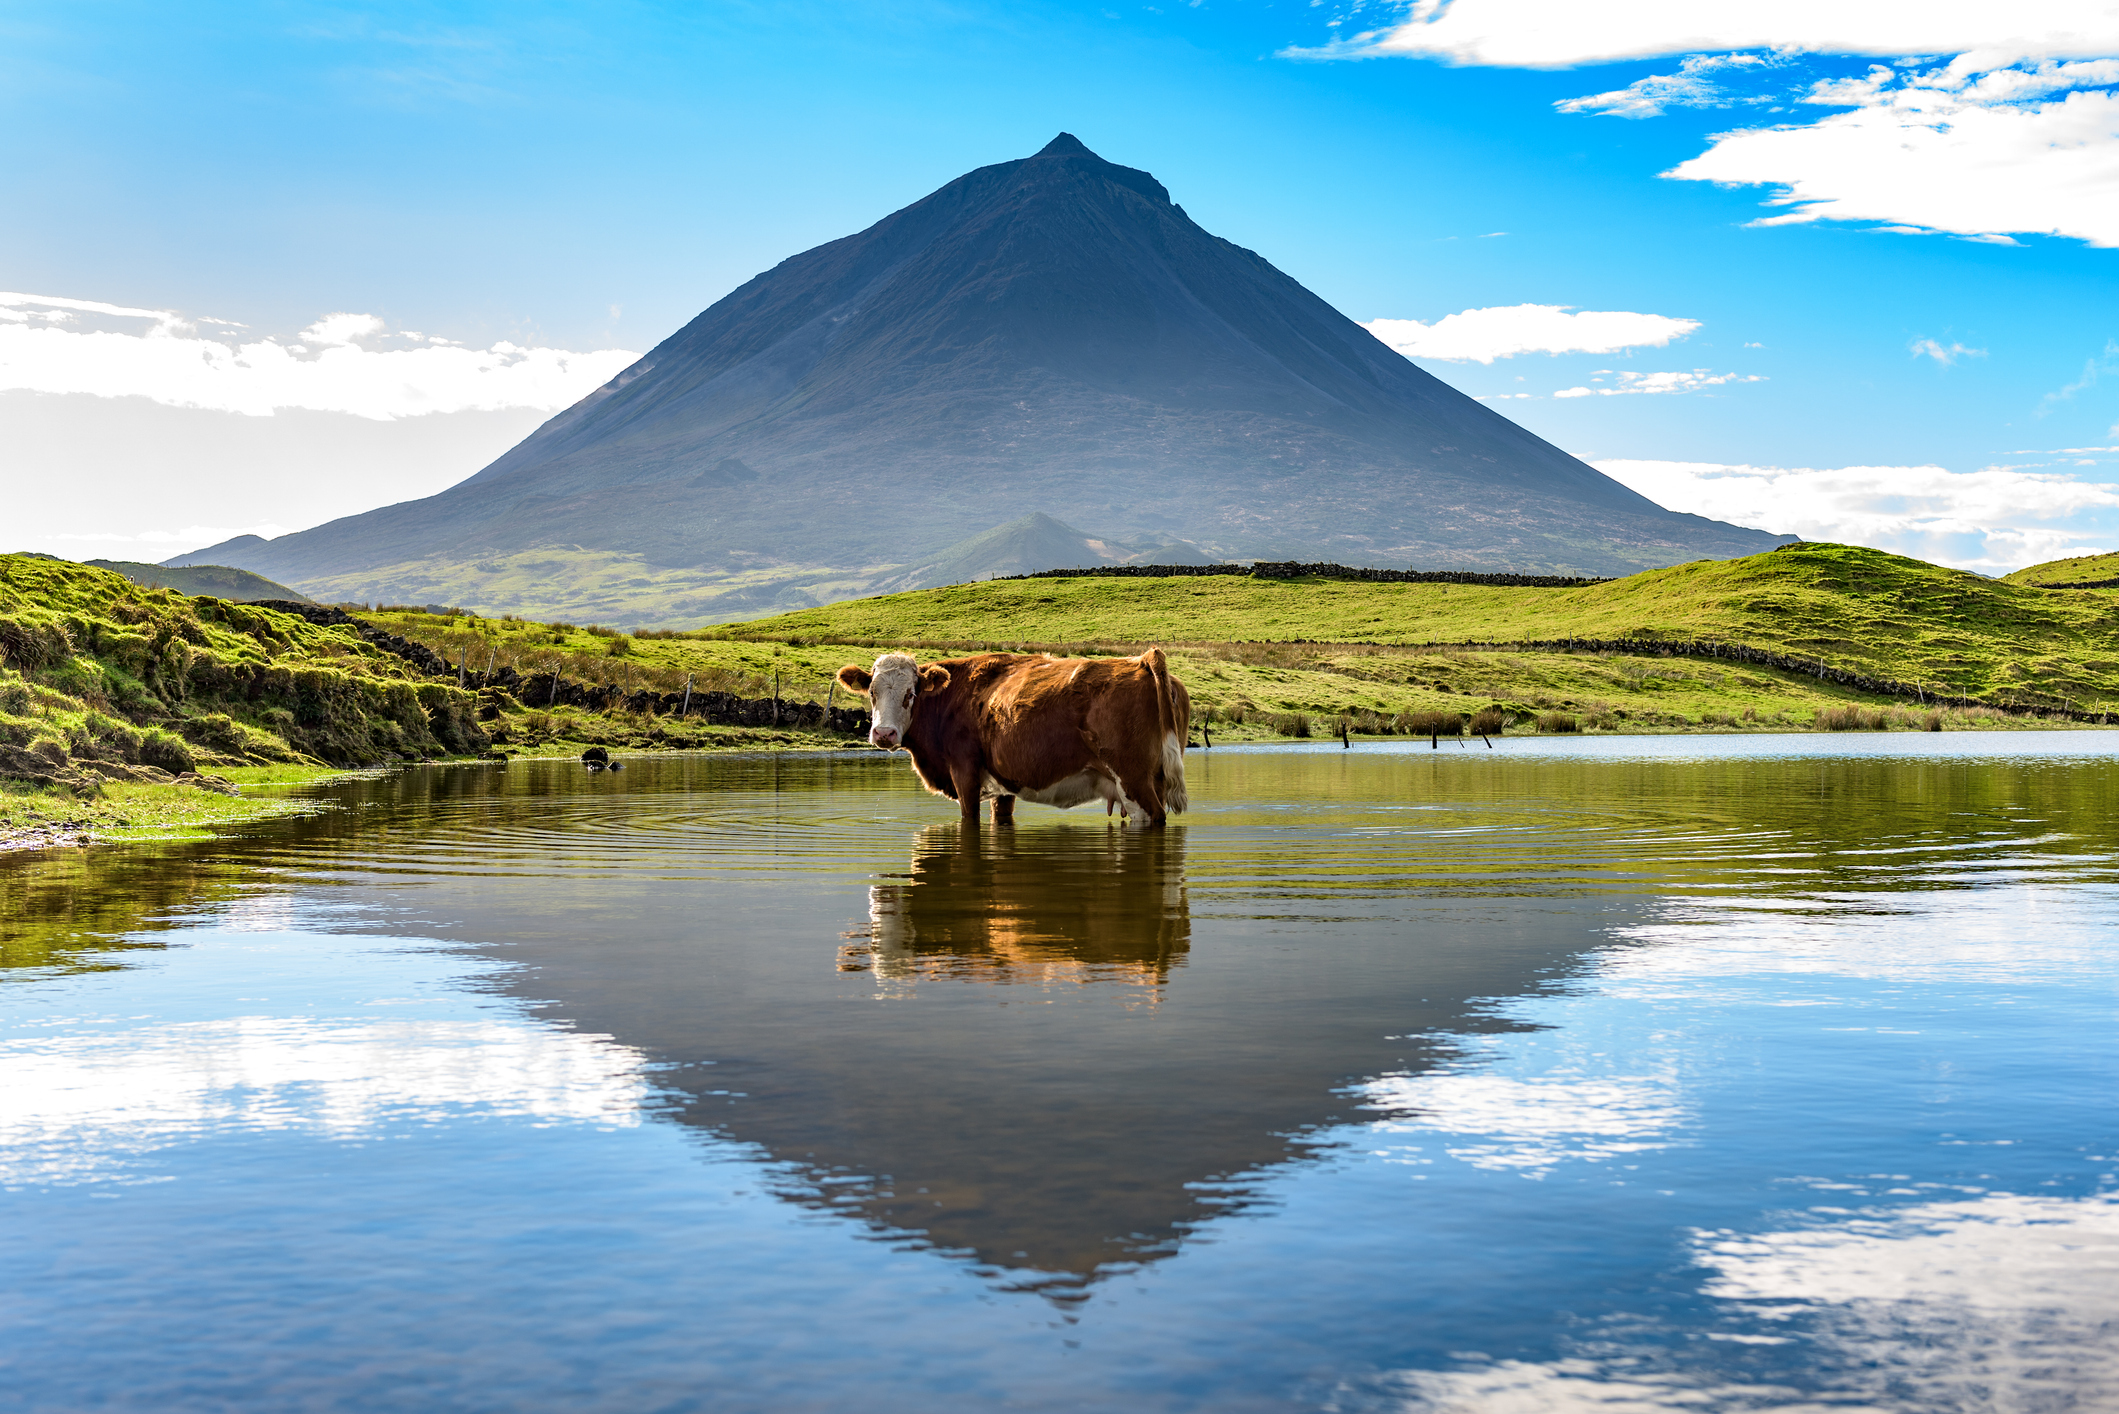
1849 718
1487 721
1291 723
1430 724
1559 722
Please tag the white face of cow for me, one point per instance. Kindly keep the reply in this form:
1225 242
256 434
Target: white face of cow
891 690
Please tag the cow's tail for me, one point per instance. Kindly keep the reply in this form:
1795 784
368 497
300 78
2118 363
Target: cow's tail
1174 726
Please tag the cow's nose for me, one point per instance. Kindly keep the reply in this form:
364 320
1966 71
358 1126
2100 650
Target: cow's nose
883 736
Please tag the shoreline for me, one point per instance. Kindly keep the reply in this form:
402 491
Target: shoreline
145 814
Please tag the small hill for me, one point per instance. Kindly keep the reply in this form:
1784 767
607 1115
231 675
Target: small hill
220 581
2082 572
1036 542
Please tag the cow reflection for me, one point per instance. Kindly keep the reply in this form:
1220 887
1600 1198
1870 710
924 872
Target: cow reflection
1065 907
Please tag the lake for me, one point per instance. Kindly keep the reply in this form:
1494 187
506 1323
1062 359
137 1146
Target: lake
1614 1074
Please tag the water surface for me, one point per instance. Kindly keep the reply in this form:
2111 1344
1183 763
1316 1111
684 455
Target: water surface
1729 1073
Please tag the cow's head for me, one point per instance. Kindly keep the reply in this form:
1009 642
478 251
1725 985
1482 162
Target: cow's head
892 689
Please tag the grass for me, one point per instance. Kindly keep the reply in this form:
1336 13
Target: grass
107 686
34 815
1276 657
100 669
1858 609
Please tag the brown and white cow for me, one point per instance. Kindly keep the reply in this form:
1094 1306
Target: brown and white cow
1053 731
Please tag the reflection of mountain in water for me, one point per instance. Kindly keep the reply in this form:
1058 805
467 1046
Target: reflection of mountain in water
1057 1045
977 908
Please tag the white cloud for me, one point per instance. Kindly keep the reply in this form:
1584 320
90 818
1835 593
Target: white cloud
1994 520
1947 150
1675 381
2016 133
1504 331
1560 34
173 364
345 329
1689 87
1944 354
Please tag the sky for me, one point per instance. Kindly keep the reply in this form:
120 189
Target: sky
1847 270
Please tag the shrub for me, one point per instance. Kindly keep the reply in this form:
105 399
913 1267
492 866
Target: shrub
1559 722
1851 718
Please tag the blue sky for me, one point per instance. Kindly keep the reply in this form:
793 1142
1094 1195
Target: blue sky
581 180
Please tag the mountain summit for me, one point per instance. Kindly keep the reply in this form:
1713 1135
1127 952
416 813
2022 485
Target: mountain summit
1052 335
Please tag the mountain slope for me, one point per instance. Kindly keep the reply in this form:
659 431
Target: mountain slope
1048 334
220 581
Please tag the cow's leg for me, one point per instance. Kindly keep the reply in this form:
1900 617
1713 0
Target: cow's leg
1004 810
966 776
1141 790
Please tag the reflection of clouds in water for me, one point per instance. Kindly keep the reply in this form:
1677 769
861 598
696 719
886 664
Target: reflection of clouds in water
1572 1387
1969 936
76 1108
1998 1303
1527 1125
2002 1251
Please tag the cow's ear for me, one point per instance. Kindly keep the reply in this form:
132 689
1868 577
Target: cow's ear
934 677
854 678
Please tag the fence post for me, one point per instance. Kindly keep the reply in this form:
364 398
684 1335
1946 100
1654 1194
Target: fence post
685 710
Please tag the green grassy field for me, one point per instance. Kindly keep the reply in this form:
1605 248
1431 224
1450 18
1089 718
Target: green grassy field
1259 654
103 679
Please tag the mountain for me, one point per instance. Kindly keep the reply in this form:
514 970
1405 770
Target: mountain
1052 334
220 581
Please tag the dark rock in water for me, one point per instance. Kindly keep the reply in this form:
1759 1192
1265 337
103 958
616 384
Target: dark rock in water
596 754
618 765
1049 334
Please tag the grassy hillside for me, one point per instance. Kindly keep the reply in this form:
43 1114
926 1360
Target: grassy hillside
1260 654
106 684
2094 569
220 581
1851 608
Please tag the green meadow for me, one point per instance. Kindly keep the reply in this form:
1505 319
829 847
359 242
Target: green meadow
1264 657
132 711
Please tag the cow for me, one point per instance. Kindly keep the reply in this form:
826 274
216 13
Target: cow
1062 732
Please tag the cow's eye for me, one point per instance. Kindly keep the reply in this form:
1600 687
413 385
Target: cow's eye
908 697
